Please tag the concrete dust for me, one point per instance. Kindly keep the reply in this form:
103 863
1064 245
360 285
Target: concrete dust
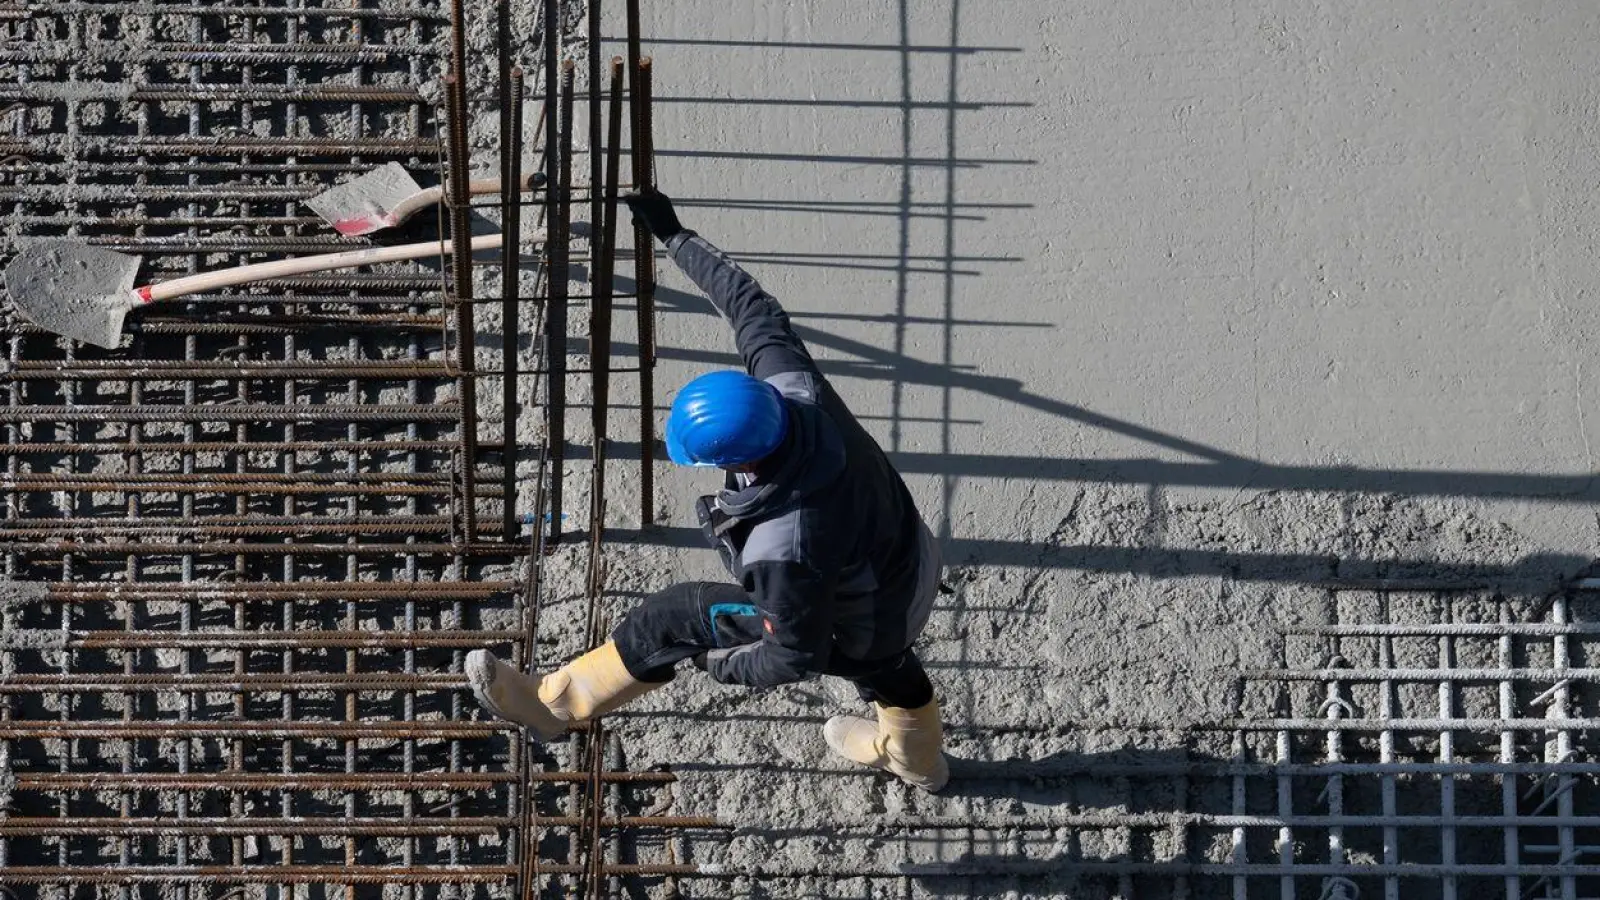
17 593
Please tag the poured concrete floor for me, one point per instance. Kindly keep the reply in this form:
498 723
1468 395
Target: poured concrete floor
1177 318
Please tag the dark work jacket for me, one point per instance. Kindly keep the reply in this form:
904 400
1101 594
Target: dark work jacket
828 541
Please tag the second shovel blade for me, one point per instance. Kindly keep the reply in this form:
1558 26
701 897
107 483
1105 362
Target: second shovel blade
366 204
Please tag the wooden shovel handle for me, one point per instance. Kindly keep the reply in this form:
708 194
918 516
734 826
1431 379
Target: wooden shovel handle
279 268
427 197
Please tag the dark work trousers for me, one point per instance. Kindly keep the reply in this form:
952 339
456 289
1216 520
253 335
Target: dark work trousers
675 624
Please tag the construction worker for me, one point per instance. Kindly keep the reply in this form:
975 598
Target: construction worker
837 571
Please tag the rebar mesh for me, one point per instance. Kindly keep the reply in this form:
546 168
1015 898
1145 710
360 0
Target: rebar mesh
244 667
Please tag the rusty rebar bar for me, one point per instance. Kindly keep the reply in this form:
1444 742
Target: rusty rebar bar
361 781
83 528
122 640
307 590
48 729
644 288
221 681
60 480
75 826
118 448
175 370
266 488
290 548
322 874
592 58
243 412
602 279
556 313
461 269
511 278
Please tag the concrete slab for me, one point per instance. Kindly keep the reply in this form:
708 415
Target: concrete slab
1172 315
1239 247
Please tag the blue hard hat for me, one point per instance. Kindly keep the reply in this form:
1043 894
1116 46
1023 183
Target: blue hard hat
725 418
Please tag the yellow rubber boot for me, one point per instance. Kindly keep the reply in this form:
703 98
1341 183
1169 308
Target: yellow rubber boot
905 743
591 685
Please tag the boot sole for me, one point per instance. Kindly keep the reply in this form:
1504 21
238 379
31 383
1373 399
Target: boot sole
480 671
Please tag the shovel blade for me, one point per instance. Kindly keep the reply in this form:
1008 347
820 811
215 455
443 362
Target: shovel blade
366 204
72 289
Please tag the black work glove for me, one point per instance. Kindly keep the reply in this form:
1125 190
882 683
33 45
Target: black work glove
705 658
653 210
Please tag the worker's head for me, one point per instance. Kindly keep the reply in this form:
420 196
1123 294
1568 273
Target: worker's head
725 419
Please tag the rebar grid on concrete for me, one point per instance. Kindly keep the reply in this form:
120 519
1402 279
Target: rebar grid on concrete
259 527
1432 746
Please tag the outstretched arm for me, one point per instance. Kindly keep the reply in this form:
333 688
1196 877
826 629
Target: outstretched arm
761 328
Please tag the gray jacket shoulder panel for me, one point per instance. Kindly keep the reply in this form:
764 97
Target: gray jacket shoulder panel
800 385
774 540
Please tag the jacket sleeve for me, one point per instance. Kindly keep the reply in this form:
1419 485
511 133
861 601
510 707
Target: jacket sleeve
796 601
761 328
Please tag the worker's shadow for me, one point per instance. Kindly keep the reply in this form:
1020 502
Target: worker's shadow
1094 780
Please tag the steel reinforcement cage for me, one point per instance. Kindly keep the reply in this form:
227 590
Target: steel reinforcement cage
246 552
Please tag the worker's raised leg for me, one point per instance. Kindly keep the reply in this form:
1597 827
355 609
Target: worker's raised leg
682 621
669 626
907 739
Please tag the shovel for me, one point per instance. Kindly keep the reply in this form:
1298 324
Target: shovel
387 196
83 292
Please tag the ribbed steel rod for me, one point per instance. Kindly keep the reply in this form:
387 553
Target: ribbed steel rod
644 288
442 412
264 827
407 12
260 874
511 281
166 370
308 874
602 278
109 548
222 681
560 156
380 445
118 731
266 488
38 826
461 269
297 781
66 480
421 525
271 640
253 781
279 589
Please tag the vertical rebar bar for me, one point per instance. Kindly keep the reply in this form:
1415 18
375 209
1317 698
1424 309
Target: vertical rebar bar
511 292
601 289
595 136
560 248
644 262
555 248
461 267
